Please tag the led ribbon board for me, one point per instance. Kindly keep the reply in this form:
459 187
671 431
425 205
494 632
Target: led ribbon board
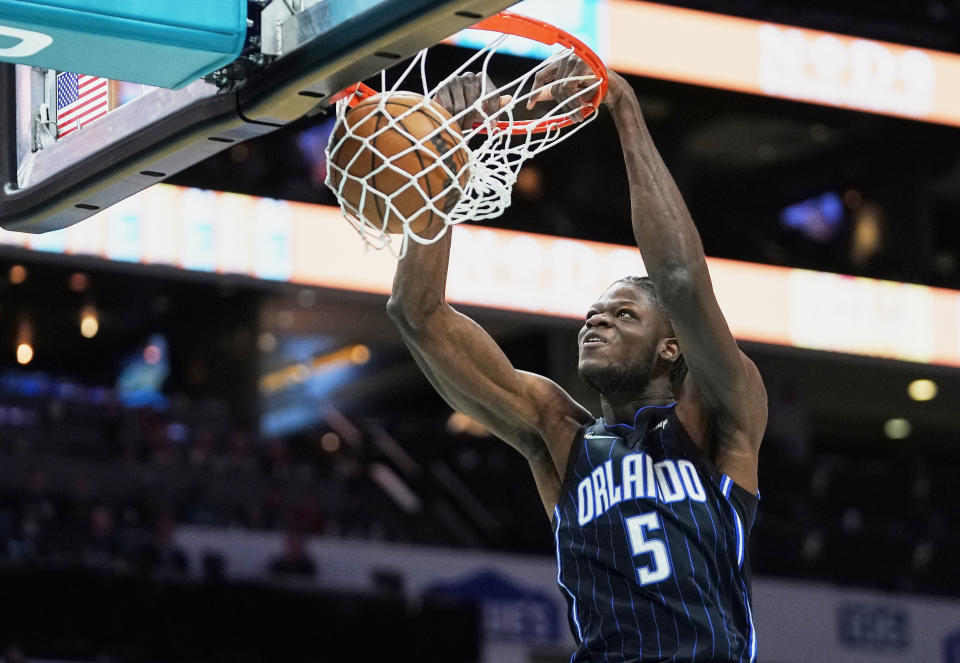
756 57
312 245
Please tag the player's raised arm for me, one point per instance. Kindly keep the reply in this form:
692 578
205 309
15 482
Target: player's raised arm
728 386
723 391
466 366
471 372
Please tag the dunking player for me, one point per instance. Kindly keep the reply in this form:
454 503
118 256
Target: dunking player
652 503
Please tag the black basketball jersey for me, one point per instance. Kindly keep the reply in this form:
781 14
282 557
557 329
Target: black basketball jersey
652 547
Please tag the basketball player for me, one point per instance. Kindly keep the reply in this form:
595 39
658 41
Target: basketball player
653 501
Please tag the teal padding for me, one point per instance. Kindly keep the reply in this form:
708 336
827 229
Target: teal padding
158 43
225 16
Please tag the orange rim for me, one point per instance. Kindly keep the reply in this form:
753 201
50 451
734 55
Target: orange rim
541 31
530 28
357 93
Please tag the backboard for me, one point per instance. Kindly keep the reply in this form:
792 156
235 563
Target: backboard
297 54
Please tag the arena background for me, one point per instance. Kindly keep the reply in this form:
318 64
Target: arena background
213 446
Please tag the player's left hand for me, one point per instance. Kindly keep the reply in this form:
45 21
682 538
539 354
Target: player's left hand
563 81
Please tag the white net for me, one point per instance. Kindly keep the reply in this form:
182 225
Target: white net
391 179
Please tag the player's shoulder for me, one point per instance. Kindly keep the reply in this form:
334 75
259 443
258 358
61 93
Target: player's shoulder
560 417
553 401
747 411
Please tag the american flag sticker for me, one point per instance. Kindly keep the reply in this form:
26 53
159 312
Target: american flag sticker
81 99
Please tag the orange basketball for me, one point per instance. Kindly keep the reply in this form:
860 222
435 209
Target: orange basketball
432 163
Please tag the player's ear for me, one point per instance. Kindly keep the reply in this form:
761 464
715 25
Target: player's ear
669 349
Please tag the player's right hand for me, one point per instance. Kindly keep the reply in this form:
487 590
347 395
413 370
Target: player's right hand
563 81
465 91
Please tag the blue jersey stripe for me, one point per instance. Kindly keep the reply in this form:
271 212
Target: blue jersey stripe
706 578
674 575
592 582
613 552
739 526
613 613
753 634
573 605
723 613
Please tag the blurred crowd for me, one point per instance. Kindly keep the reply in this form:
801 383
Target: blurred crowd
88 481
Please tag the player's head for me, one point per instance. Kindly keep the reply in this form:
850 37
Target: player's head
627 340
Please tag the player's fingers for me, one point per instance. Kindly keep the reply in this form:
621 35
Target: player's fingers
488 85
458 97
541 85
444 98
544 94
546 74
568 67
488 94
581 68
471 89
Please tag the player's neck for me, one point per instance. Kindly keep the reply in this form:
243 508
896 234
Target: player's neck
622 408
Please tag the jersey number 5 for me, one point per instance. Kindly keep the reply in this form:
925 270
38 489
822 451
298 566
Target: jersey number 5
638 527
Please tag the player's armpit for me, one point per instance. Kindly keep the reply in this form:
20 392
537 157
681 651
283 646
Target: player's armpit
546 453
730 432
469 370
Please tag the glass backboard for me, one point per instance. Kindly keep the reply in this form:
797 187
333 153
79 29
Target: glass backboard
58 168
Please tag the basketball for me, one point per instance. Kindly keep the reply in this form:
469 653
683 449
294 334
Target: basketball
407 166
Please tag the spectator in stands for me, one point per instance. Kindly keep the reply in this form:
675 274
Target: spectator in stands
161 555
37 513
102 547
294 560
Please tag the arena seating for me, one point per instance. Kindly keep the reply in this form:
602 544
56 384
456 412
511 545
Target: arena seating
89 481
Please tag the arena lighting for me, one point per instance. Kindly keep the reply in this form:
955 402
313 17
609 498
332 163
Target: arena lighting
300 373
897 428
24 353
330 442
78 282
89 322
18 274
360 354
922 390
311 245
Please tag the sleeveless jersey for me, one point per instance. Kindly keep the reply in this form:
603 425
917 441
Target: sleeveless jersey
652 547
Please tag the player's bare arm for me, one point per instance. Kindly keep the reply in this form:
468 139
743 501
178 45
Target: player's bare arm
723 399
722 402
472 374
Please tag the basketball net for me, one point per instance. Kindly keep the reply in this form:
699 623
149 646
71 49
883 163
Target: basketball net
497 146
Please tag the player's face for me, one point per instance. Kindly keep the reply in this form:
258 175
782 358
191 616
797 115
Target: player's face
619 340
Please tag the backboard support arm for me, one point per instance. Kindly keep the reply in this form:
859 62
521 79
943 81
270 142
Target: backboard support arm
8 125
